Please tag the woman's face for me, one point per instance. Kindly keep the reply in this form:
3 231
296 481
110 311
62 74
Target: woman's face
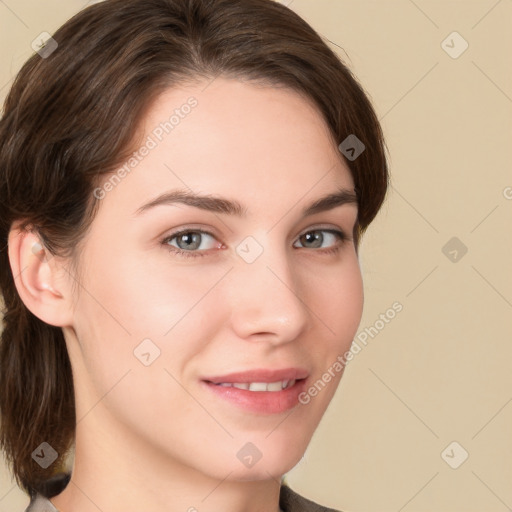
268 291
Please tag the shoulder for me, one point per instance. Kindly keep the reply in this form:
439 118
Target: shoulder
290 501
39 503
40 497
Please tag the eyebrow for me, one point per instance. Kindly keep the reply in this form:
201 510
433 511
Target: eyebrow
218 204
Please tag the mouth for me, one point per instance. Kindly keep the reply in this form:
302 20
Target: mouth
259 386
260 375
259 391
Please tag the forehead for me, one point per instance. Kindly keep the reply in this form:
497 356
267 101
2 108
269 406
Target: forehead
237 139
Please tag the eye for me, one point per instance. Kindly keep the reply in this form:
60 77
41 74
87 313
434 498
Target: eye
316 238
189 242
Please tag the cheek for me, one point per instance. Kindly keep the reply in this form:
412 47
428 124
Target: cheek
124 312
126 301
337 299
352 299
140 297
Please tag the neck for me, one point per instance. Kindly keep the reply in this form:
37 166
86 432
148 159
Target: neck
117 472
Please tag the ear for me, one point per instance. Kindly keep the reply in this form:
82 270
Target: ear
39 278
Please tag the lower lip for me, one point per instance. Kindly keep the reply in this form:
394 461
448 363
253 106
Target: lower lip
262 402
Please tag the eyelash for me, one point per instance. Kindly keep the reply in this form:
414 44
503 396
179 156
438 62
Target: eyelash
342 238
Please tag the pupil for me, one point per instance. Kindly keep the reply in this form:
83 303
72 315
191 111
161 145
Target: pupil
189 238
314 236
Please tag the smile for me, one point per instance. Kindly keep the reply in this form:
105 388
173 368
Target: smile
260 386
258 397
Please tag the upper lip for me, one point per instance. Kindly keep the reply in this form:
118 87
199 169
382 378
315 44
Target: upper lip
261 375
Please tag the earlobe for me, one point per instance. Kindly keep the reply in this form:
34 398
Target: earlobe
35 276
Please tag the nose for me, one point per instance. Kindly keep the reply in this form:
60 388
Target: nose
267 299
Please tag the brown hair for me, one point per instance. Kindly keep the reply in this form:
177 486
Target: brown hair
69 119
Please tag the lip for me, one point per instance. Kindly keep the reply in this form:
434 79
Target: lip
261 375
259 402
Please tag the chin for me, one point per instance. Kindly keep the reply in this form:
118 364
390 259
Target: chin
274 464
259 472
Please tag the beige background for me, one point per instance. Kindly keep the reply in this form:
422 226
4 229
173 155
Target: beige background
440 370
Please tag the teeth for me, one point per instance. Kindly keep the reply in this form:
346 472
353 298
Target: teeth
242 385
272 386
260 386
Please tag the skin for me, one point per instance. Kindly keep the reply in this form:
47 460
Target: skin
150 437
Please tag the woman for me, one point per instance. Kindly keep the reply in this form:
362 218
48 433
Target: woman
183 188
